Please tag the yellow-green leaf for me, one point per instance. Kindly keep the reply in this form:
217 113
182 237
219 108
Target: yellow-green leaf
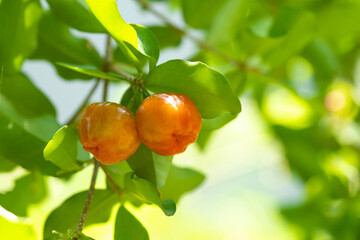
107 13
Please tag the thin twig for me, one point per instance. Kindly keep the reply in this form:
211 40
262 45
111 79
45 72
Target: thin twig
80 225
86 100
106 65
201 43
109 53
105 91
113 184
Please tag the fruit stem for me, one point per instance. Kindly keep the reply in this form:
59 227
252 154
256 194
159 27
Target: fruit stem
106 65
105 91
88 201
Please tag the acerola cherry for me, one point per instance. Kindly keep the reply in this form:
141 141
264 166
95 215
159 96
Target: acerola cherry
167 123
108 131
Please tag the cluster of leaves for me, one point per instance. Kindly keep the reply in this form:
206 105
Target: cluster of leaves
31 137
300 65
296 59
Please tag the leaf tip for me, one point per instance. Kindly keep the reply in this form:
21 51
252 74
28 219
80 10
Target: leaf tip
169 207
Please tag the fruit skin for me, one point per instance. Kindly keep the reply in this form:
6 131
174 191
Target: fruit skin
167 123
108 131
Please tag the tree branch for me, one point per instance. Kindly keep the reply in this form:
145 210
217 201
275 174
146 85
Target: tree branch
201 43
88 201
105 91
109 53
106 65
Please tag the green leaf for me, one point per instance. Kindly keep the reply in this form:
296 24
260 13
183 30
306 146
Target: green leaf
23 139
200 13
231 17
305 148
234 19
16 230
58 44
68 236
76 14
336 215
210 125
118 172
25 96
203 139
6 165
128 227
106 11
272 50
67 215
62 149
148 50
146 191
132 99
92 71
149 165
216 123
238 81
180 181
18 28
123 62
210 91
336 24
36 126
84 237
143 189
148 44
28 190
284 21
301 33
166 36
82 155
169 207
325 63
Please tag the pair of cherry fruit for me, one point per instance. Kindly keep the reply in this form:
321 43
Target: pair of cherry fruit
165 122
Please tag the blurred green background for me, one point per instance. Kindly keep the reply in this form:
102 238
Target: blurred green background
287 167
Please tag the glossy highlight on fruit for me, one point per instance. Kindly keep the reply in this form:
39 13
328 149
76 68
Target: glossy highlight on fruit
167 123
108 131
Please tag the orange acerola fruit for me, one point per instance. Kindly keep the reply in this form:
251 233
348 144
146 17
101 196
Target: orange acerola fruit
108 131
167 123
